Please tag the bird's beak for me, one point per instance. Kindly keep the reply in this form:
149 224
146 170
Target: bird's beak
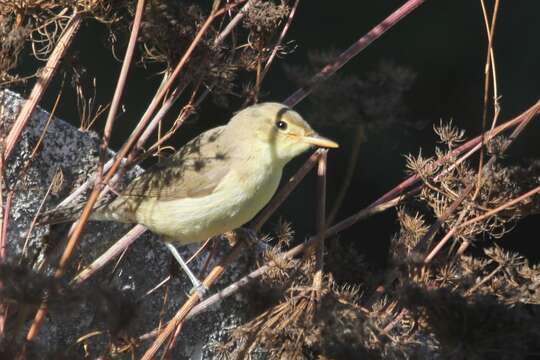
320 141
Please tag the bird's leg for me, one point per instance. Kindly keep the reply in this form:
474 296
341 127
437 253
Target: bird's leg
197 285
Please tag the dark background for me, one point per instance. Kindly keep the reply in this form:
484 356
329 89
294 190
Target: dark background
443 42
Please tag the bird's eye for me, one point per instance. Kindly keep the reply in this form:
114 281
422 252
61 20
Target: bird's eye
281 125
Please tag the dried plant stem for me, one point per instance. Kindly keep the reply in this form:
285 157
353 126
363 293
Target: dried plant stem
41 85
321 225
165 107
110 254
490 64
447 213
455 204
354 50
120 84
4 221
444 240
5 208
233 23
351 167
279 41
392 324
34 220
185 113
484 280
525 118
504 206
73 239
520 121
321 210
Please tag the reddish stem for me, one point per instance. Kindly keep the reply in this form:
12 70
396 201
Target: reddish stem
354 50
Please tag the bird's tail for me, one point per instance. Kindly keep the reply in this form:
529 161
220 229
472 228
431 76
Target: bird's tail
60 215
71 213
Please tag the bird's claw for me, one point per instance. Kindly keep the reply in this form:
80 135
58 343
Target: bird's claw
200 289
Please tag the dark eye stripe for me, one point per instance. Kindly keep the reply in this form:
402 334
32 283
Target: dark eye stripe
282 125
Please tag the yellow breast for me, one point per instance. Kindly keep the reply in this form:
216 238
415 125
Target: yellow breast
237 199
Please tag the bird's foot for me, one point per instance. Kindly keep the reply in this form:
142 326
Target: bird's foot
200 289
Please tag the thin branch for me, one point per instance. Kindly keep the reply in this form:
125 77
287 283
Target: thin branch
321 209
490 64
6 208
110 254
52 185
445 239
279 41
354 50
321 223
484 280
233 23
73 239
193 299
504 206
119 90
455 204
41 85
351 167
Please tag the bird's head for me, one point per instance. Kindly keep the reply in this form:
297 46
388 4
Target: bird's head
276 127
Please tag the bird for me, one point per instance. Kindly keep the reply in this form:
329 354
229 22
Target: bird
216 182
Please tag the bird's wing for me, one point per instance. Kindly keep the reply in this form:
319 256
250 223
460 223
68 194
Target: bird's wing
194 171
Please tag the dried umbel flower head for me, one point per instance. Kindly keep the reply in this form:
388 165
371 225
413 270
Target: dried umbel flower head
421 166
449 134
264 16
167 29
412 228
306 320
445 180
